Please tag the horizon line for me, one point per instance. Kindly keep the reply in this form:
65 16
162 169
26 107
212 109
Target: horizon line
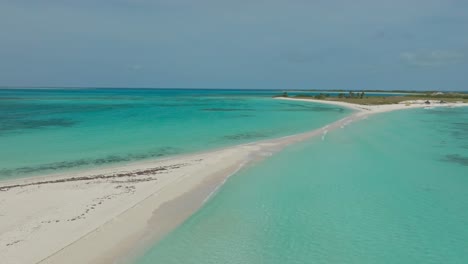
192 88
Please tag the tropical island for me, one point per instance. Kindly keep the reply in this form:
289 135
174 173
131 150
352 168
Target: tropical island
362 98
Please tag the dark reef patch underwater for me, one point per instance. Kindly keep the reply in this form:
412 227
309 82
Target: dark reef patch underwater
54 130
456 158
57 166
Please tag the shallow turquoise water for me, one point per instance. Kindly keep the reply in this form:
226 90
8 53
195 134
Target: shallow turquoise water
389 189
53 130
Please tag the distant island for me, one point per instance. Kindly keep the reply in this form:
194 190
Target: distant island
373 91
362 98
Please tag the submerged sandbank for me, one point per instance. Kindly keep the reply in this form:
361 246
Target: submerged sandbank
96 216
100 215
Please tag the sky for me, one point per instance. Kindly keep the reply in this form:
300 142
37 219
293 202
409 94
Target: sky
256 44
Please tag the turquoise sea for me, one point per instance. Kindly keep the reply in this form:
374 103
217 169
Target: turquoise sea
45 131
389 189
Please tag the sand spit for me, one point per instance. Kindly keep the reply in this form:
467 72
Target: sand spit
373 109
102 215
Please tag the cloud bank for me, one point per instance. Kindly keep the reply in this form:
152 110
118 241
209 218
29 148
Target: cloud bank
235 44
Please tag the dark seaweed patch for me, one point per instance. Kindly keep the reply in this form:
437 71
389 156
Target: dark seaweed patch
314 109
35 109
24 116
301 107
35 124
456 158
226 109
146 172
87 162
247 135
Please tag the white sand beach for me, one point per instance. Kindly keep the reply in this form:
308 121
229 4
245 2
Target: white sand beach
373 109
102 215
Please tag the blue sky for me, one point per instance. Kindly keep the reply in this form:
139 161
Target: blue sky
318 44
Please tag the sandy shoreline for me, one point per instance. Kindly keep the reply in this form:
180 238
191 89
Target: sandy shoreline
101 215
374 109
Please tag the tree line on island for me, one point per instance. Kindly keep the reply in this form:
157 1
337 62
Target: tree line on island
375 99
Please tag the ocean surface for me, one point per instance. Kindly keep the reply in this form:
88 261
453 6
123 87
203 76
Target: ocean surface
392 188
46 131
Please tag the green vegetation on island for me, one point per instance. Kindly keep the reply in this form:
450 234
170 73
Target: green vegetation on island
361 97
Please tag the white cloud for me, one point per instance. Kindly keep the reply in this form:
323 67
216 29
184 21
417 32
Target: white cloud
432 58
